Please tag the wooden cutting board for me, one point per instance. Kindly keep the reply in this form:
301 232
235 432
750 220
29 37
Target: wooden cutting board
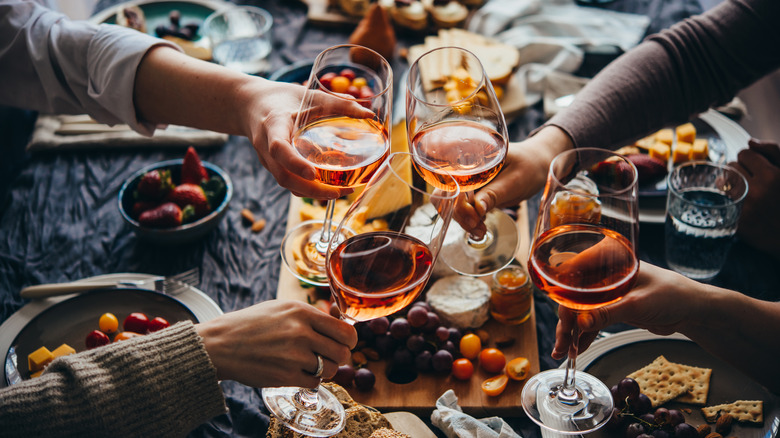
420 395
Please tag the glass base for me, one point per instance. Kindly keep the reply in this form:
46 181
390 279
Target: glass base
325 418
589 411
304 255
484 257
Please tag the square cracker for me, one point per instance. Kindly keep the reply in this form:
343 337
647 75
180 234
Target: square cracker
751 411
700 379
661 381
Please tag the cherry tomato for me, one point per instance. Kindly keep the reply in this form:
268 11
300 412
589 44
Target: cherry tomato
518 368
462 369
348 73
123 336
136 322
470 345
96 338
353 91
158 323
327 78
492 360
108 323
495 385
339 84
366 92
360 82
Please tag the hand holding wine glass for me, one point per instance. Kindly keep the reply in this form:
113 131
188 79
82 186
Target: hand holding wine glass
455 125
344 149
584 257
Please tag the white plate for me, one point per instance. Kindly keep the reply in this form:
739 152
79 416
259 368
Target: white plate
733 138
611 341
200 304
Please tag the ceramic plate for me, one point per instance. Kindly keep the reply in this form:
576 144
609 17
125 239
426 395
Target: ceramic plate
726 139
156 12
68 319
612 358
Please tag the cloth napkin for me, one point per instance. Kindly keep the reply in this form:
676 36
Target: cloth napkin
552 37
80 132
451 420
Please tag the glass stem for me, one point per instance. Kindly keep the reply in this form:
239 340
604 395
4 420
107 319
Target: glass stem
307 398
322 243
568 393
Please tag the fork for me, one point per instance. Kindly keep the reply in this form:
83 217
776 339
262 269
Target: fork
170 285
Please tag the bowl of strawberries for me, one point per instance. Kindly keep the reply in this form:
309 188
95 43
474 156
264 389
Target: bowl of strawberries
175 201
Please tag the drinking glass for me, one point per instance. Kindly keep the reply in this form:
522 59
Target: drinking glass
455 125
345 151
240 37
584 257
396 233
703 205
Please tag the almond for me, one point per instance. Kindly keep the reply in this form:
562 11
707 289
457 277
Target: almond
714 435
723 424
703 430
258 225
247 216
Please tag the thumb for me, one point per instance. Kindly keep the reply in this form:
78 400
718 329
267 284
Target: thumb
594 320
484 201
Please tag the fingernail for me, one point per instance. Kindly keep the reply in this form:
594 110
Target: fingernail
483 206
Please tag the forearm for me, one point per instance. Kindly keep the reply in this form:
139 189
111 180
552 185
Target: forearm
173 88
740 330
161 384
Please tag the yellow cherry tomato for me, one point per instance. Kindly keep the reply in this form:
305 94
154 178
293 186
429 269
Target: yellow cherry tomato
108 323
518 368
470 346
123 336
359 82
339 84
495 385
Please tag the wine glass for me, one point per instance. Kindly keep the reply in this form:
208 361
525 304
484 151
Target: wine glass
584 257
396 233
455 125
345 151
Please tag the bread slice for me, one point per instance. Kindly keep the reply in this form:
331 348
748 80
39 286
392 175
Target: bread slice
388 433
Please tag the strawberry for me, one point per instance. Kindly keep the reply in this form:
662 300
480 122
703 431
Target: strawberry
166 215
154 185
141 206
190 194
611 173
192 170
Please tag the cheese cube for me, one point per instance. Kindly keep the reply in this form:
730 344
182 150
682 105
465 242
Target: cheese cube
686 133
39 359
63 350
700 149
660 150
681 152
645 142
665 136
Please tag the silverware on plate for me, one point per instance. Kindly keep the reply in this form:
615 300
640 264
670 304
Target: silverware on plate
171 285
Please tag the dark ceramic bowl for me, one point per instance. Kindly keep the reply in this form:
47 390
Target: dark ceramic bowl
297 72
184 233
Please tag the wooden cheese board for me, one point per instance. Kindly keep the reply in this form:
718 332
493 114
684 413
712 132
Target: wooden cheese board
420 395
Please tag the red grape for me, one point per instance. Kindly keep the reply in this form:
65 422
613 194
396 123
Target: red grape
417 316
364 379
344 375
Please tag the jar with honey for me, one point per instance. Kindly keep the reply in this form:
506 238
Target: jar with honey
511 295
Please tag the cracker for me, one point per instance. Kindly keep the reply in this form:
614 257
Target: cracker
661 381
700 379
746 411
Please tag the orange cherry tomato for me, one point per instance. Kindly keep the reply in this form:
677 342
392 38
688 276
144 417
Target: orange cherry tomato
339 84
518 368
492 360
470 345
123 336
462 369
495 385
108 323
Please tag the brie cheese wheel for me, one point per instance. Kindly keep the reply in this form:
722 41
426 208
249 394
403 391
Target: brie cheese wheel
460 301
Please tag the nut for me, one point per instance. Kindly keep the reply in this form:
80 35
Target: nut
258 225
714 435
370 353
484 336
723 425
504 341
247 216
359 359
703 430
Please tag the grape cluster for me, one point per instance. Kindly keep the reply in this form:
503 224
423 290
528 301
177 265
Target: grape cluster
633 415
412 342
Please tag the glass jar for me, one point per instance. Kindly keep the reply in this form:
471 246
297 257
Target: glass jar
511 295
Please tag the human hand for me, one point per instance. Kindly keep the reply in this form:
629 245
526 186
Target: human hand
759 221
276 343
661 301
270 118
523 175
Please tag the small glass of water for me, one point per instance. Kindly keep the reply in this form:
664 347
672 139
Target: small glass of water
240 38
703 205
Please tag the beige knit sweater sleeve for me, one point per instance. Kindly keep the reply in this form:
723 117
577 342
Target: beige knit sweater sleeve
161 384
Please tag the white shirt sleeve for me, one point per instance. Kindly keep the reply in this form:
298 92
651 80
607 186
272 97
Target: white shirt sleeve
51 64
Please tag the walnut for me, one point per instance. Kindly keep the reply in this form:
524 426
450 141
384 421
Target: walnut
703 430
723 424
714 435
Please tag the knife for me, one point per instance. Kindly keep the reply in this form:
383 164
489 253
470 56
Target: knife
56 289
